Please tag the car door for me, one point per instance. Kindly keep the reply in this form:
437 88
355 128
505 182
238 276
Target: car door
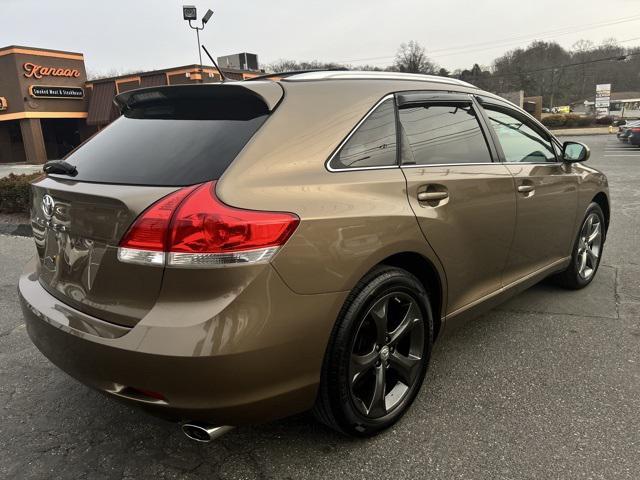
463 198
546 190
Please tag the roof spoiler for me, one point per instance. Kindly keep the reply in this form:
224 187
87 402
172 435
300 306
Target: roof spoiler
269 93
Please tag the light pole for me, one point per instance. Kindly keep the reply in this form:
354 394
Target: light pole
190 13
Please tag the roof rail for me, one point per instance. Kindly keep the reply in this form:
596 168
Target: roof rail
293 72
373 75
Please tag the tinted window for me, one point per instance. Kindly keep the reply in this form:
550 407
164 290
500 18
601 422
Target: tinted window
442 134
374 142
167 144
520 143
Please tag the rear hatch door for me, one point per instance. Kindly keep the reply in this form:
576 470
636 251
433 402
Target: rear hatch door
167 138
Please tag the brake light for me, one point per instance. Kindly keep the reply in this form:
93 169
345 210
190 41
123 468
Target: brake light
193 228
635 130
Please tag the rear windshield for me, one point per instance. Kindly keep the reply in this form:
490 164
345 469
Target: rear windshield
169 144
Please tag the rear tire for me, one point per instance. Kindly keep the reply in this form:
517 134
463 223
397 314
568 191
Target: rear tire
587 251
378 354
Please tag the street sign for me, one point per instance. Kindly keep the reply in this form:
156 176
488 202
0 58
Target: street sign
603 99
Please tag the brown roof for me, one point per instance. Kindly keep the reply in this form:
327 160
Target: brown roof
101 108
21 47
153 80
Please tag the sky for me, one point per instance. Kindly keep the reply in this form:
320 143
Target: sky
135 35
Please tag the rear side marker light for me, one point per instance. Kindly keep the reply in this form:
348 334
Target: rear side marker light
192 228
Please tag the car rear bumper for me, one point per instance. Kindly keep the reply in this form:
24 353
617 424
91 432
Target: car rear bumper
245 364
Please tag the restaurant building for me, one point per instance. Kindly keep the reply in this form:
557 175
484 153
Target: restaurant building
47 106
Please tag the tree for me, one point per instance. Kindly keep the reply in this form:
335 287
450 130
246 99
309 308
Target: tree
542 68
412 58
114 72
284 65
478 76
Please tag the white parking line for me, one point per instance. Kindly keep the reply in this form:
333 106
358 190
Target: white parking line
615 149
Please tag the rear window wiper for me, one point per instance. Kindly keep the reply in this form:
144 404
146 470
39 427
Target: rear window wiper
60 167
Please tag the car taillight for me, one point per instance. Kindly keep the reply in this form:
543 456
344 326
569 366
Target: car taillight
635 130
193 228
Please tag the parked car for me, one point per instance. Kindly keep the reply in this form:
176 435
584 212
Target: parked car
226 254
633 136
625 130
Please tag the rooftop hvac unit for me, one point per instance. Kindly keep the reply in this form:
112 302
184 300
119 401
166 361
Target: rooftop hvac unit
239 61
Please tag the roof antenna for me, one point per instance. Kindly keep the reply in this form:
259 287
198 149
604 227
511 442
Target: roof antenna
214 63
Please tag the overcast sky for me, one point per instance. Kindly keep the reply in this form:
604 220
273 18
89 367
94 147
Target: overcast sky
150 34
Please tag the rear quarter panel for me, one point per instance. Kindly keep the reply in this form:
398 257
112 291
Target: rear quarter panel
350 220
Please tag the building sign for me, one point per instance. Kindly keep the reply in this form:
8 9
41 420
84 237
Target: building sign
43 91
603 99
32 70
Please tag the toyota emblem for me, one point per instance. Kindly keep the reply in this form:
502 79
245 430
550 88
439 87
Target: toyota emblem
47 206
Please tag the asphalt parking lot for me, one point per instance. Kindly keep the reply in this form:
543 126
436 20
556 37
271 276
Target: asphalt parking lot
545 386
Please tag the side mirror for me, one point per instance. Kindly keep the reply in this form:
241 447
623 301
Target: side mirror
575 152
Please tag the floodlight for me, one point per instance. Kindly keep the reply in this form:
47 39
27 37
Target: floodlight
189 12
207 16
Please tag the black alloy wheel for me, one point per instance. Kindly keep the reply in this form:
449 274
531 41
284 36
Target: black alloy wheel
378 354
386 354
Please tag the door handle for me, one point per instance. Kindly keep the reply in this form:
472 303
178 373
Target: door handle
432 196
526 188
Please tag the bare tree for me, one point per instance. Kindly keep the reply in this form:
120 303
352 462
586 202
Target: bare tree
559 75
284 65
114 72
412 58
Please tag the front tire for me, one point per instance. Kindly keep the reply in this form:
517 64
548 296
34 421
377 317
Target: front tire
378 354
587 250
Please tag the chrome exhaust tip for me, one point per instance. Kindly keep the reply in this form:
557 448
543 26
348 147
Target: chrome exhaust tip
203 432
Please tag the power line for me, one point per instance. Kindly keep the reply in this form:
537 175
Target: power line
588 26
555 67
501 43
532 38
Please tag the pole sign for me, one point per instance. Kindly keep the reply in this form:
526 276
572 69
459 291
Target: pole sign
43 91
603 99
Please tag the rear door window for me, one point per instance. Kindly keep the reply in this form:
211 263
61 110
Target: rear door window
373 144
169 144
441 133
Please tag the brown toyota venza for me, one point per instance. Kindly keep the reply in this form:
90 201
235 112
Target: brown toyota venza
233 253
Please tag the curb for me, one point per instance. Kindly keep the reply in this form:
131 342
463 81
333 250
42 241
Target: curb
17 229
